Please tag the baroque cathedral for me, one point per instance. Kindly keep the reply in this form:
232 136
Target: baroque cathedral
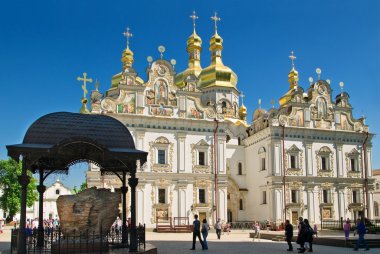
309 157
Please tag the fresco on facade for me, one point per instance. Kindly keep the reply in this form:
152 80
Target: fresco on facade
128 104
161 111
161 92
192 111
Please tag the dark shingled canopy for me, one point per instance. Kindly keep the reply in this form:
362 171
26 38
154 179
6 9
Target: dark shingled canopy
57 140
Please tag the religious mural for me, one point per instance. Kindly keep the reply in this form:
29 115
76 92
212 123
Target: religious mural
161 111
192 111
161 92
128 104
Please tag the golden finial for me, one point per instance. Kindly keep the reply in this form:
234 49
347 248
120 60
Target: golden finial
127 34
216 19
341 84
292 57
84 87
318 71
194 17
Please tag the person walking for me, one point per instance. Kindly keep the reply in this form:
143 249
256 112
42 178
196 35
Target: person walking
361 230
309 232
301 235
289 234
258 235
315 230
197 232
346 229
218 228
205 229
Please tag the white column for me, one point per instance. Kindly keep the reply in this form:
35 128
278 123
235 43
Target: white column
339 161
181 151
140 207
140 134
277 159
369 162
309 158
221 153
370 205
182 203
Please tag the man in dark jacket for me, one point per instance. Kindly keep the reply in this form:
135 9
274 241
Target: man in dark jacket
196 232
361 232
289 234
301 235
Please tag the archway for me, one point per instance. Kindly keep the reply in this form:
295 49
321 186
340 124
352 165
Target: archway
57 140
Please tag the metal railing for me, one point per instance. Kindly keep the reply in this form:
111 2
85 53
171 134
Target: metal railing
373 226
77 242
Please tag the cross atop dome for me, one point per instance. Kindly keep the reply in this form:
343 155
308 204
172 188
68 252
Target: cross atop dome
127 34
194 17
216 19
292 57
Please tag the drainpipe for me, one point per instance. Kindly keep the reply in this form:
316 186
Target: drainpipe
216 169
284 170
365 173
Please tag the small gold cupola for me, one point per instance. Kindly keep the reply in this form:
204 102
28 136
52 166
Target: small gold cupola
127 56
194 49
293 82
242 109
217 74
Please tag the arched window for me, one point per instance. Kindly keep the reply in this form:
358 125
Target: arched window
240 168
377 186
57 191
224 107
262 162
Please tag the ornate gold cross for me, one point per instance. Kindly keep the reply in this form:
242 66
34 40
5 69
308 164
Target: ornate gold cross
194 17
128 35
216 19
84 79
292 57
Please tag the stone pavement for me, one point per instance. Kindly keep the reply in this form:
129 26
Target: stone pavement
235 242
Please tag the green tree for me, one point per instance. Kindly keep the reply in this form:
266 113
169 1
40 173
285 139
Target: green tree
10 200
82 187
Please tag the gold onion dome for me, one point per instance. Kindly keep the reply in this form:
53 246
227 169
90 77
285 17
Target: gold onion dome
194 48
293 83
242 112
217 74
127 58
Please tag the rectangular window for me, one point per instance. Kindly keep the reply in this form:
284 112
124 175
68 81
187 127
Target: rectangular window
240 168
294 196
354 196
202 196
326 198
161 158
353 164
262 163
201 158
241 204
264 197
161 196
293 161
324 162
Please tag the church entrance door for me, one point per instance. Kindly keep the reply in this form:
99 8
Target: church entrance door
202 216
294 217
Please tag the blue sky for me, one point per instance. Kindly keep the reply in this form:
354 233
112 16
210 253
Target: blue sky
45 45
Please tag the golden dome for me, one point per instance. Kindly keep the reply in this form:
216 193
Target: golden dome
127 58
194 48
243 112
293 83
217 74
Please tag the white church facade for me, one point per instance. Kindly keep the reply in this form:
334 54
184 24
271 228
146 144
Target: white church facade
206 159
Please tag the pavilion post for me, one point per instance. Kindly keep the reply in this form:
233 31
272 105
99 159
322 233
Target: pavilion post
24 180
41 189
133 181
124 190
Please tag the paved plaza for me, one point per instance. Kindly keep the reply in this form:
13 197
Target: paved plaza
235 242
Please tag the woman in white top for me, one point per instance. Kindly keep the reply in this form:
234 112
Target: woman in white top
205 229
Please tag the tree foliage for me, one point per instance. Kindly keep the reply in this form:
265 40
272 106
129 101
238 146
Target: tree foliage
82 187
10 199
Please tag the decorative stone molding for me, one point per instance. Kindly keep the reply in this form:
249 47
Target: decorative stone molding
164 143
353 154
294 150
202 146
325 151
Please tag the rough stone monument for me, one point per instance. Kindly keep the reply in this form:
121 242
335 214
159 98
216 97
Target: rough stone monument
91 210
